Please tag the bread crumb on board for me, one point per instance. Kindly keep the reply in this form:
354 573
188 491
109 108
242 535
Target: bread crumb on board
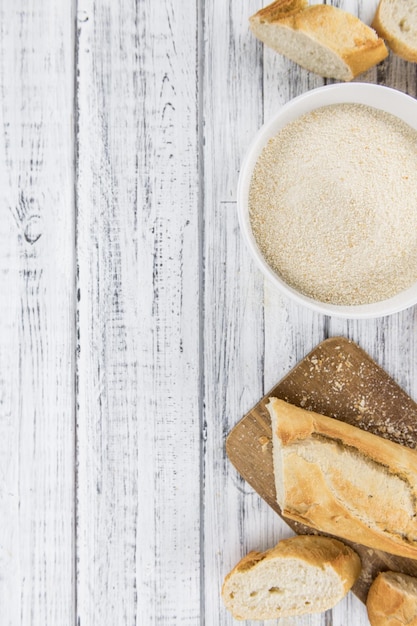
264 442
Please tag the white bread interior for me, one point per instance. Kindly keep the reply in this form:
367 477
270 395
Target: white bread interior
396 22
303 574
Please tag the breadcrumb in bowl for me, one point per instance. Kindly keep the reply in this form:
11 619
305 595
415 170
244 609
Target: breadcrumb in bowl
327 200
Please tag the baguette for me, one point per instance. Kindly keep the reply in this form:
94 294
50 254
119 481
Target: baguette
320 38
392 600
303 574
396 22
344 481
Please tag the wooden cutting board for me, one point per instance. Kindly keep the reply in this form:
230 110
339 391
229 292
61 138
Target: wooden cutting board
340 380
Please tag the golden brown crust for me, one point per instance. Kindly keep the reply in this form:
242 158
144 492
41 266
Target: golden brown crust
329 500
368 55
278 10
397 45
390 603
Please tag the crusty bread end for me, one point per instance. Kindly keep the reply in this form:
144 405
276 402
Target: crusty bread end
392 600
303 574
320 38
396 22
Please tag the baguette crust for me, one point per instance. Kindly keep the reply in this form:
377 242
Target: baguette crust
345 481
392 600
391 34
278 10
320 553
354 46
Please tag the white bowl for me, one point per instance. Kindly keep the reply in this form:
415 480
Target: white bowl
377 96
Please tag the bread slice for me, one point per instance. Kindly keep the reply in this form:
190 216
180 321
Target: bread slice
396 22
320 38
392 600
344 481
303 574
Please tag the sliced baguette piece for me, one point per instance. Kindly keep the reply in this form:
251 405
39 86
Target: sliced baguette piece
344 481
396 22
320 38
303 574
392 600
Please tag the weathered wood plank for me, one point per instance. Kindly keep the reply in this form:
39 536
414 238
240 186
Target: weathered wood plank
236 520
37 314
138 365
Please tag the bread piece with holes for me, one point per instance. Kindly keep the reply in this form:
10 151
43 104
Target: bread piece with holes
392 600
396 22
303 574
321 38
342 480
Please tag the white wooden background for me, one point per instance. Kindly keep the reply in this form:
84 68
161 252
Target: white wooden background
135 330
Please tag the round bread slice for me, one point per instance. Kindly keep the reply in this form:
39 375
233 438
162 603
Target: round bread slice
303 574
392 600
396 22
